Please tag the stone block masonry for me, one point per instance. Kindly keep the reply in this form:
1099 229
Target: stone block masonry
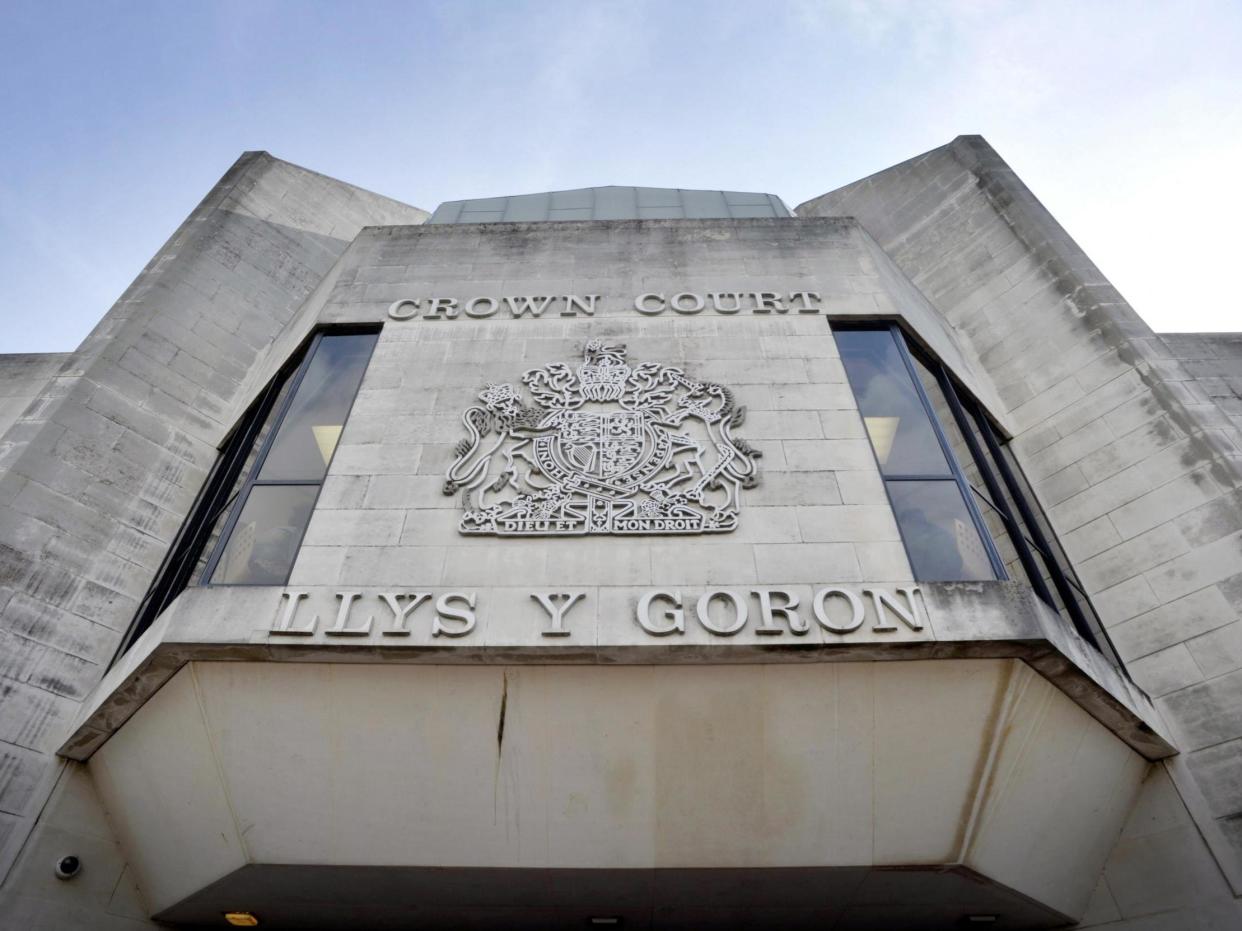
103 460
1130 439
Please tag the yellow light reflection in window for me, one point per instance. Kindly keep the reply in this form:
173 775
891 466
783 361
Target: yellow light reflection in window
326 438
882 430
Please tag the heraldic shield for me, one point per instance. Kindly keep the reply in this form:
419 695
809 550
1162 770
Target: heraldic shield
605 448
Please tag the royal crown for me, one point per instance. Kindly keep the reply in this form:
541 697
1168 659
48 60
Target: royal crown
603 372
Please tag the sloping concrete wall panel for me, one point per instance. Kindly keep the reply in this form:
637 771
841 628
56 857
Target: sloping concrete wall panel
619 767
1132 457
22 379
100 471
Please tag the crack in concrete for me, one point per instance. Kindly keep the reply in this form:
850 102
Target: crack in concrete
500 726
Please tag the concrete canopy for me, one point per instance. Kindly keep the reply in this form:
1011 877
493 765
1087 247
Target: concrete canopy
818 784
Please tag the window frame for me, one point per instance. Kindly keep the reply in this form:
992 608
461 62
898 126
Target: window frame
1024 529
252 479
178 566
955 472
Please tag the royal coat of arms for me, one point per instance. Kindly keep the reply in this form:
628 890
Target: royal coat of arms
606 448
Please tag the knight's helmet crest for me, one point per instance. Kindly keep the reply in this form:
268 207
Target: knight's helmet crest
604 372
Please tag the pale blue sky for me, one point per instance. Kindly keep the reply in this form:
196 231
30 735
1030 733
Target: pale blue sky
1125 118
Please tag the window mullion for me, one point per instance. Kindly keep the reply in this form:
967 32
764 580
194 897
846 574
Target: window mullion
173 576
963 486
272 434
243 493
1037 536
999 501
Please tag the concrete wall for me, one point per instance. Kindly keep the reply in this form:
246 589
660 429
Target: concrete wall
621 767
1161 875
22 377
97 474
1210 365
1123 432
820 510
1128 455
104 896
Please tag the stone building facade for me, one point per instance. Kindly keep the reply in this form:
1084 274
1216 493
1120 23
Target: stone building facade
662 558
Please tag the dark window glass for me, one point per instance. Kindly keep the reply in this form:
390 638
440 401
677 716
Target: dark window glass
216 515
265 538
310 430
265 431
901 434
1041 522
248 521
259 545
218 522
943 412
1059 567
939 532
964 508
1000 529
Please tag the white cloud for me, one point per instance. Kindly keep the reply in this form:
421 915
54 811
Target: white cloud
1123 117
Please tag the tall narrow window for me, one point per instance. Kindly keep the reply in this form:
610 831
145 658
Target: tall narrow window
964 508
274 502
248 522
940 527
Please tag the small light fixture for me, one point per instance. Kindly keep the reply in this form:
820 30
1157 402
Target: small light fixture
606 920
241 919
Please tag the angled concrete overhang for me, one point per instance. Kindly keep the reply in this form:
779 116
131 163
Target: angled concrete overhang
964 620
636 773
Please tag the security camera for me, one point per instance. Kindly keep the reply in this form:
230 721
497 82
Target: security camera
68 867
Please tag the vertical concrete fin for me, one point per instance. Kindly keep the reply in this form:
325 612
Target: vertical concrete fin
99 471
1137 466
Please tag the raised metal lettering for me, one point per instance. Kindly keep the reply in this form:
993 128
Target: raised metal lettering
441 308
556 604
574 304
767 612
703 609
400 614
446 612
284 619
804 298
908 614
640 303
535 306
342 628
857 610
403 309
472 309
675 613
678 302
766 302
